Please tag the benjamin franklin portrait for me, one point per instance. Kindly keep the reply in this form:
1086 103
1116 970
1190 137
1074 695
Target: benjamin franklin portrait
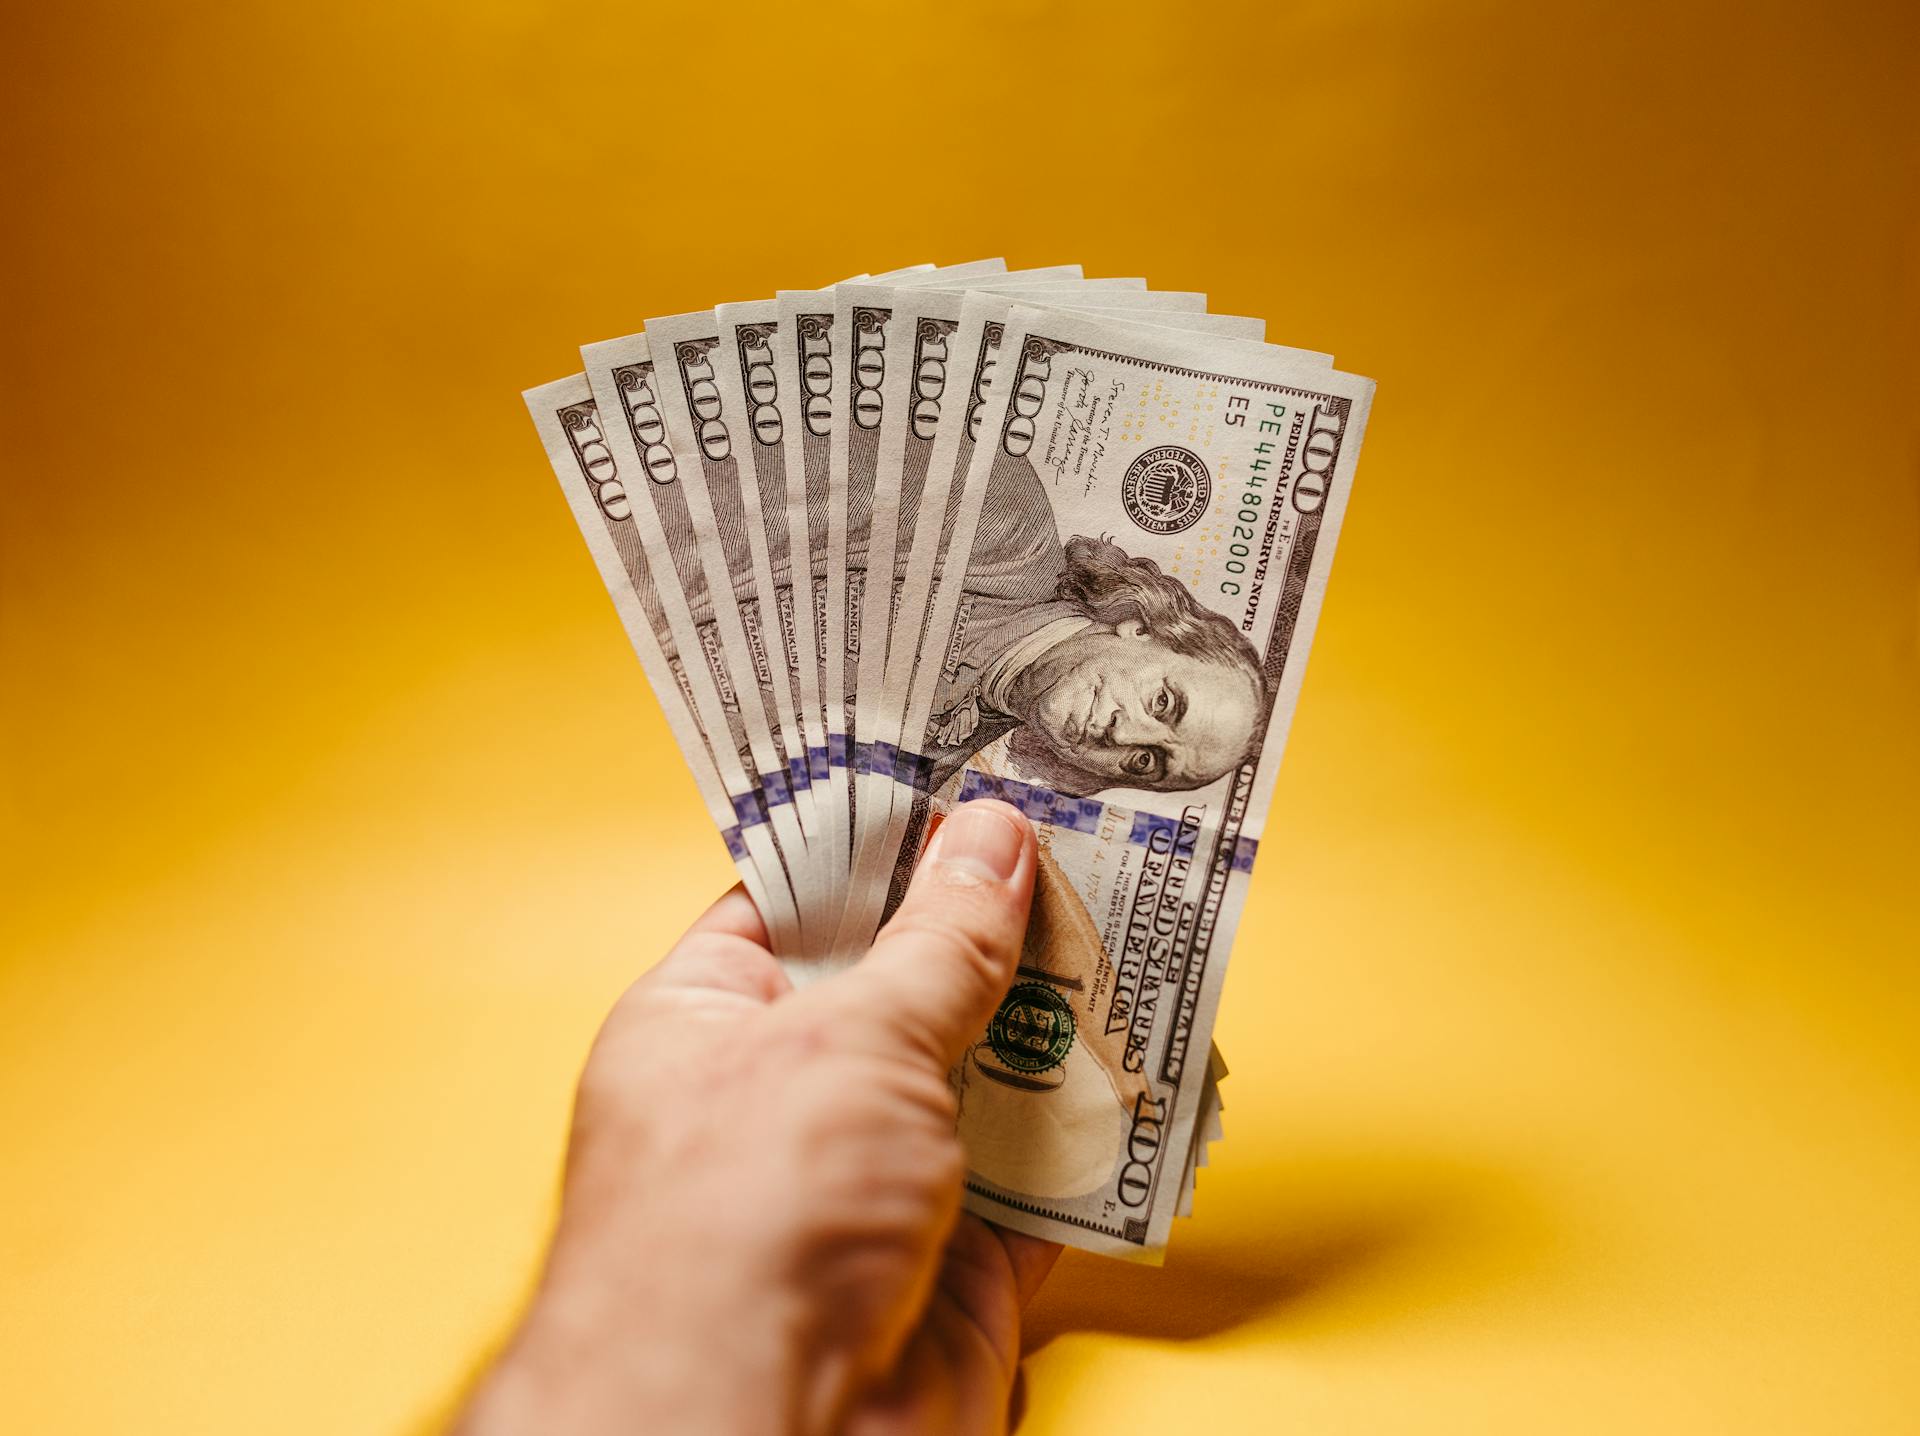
1100 670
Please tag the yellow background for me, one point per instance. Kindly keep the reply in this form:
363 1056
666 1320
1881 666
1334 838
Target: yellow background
1575 1083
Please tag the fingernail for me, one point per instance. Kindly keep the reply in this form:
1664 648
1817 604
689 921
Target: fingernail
981 841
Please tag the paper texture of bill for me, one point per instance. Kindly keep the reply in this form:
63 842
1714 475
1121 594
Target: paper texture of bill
803 368
706 437
908 689
597 493
870 530
749 385
1155 519
628 391
878 543
855 367
712 416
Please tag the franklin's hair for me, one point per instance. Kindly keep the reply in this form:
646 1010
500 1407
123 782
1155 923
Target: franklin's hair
1111 587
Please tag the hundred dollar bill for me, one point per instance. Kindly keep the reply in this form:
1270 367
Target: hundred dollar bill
706 434
596 506
861 516
1056 921
852 360
808 350
877 544
908 401
671 514
710 414
908 685
979 339
597 493
1147 522
748 378
1210 1129
803 348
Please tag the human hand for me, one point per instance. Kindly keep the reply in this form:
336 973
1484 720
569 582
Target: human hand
760 1229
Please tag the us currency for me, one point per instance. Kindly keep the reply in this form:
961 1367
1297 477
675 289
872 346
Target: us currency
748 377
704 619
864 311
722 419
909 401
712 415
598 495
1147 523
803 350
762 377
873 534
809 350
876 545
853 366
1210 1129
946 308
979 340
706 435
910 683
644 618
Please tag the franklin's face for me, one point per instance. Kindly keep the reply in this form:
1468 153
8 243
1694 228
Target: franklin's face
1133 713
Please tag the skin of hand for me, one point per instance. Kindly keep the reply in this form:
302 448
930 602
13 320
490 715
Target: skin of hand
760 1230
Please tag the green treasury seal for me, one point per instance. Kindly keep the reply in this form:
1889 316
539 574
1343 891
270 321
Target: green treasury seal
1033 1029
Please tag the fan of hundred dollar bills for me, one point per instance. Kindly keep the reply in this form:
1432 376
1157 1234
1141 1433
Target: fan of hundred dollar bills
963 532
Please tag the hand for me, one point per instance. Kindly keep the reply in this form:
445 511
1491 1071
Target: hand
760 1229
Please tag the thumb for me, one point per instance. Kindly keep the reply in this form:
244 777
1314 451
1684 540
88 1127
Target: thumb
937 969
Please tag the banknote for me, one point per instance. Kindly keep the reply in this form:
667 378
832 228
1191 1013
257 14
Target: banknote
598 494
749 385
708 422
1147 522
808 351
706 436
748 377
874 530
909 403
908 687
1211 1128
851 363
803 364
671 516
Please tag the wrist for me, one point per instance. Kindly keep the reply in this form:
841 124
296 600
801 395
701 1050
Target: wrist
605 1352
